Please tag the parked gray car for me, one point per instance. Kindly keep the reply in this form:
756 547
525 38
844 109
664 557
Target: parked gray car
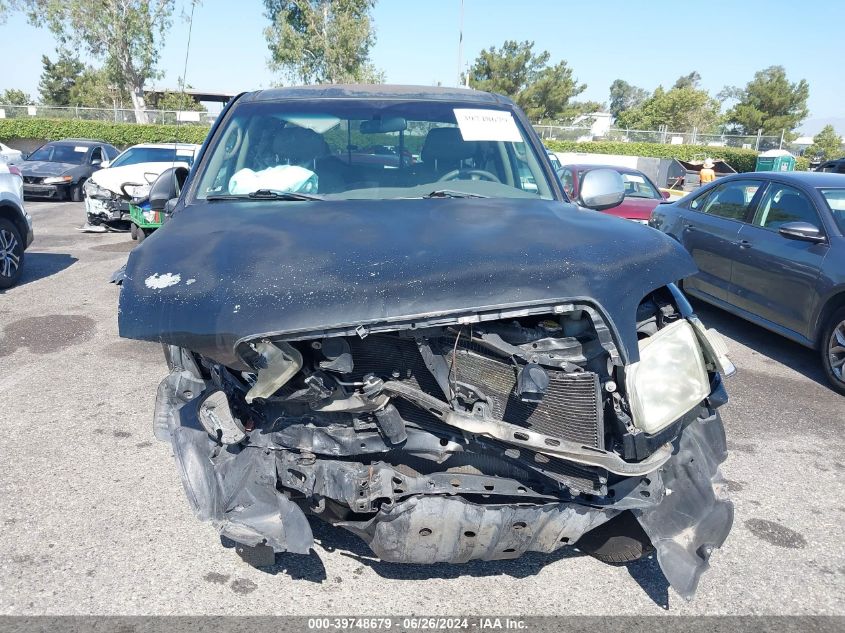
770 248
59 169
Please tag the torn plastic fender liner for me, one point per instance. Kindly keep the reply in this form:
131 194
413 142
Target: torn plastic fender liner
235 490
696 516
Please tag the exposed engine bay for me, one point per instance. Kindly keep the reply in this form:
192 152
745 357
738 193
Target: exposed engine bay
483 438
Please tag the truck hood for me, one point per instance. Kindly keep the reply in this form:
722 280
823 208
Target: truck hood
112 178
43 168
222 271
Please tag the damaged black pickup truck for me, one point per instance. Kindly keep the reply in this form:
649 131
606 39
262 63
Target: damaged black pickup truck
379 308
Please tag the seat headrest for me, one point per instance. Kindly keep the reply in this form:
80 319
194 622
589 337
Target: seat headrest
447 144
299 145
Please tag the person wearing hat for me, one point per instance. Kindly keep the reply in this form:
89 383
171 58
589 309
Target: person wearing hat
707 173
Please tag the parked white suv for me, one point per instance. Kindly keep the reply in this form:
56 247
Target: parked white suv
15 225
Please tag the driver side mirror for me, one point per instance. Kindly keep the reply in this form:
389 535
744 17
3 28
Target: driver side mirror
602 189
802 231
166 188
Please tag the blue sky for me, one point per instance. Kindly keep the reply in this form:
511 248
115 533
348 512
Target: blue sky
644 42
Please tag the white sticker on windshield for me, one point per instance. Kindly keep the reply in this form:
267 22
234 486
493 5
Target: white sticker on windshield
487 125
80 148
184 152
633 178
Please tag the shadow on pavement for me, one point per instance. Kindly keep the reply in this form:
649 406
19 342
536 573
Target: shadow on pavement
802 359
645 572
40 265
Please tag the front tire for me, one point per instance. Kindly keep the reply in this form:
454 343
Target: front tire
620 540
142 234
76 192
133 230
11 254
832 350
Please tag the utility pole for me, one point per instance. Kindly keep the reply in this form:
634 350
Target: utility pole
461 46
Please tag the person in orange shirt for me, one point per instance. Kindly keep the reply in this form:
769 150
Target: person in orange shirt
707 173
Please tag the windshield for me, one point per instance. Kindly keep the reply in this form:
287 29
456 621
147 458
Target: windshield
55 153
370 149
638 186
135 155
836 201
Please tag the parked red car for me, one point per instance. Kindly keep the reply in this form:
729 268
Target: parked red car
641 195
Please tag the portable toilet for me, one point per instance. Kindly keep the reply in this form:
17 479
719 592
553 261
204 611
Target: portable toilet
775 160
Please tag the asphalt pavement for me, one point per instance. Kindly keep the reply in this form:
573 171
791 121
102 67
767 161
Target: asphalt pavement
94 519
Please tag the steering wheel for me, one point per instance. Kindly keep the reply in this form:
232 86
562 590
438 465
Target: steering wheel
481 174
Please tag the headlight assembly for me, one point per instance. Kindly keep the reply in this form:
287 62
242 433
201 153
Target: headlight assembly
669 379
57 180
137 191
92 190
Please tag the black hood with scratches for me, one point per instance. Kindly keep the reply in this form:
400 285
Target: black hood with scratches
221 271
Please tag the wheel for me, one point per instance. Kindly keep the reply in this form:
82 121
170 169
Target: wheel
11 254
620 540
832 349
133 230
76 192
142 234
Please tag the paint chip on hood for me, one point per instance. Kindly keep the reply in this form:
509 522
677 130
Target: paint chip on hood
165 280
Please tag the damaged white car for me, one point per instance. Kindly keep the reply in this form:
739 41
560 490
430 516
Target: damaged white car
130 175
431 354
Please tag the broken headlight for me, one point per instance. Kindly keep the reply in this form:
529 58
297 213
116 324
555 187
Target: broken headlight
137 191
669 379
93 190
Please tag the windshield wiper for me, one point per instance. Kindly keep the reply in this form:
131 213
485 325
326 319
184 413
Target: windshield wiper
451 193
265 194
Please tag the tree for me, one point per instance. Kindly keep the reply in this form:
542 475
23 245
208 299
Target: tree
688 81
125 34
549 95
624 96
679 109
543 91
769 102
95 88
58 78
827 144
12 96
322 41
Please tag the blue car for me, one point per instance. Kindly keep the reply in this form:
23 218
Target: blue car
770 249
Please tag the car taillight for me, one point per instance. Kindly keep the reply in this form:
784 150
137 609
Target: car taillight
15 171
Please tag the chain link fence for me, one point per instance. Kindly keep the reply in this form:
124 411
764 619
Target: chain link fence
116 115
546 132
666 136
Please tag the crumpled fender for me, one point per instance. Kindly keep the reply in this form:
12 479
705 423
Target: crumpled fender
695 516
233 487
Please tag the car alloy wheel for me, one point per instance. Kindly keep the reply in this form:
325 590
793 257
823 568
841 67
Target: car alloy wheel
836 351
10 258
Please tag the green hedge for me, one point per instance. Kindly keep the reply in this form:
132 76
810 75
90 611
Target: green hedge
119 134
125 134
739 159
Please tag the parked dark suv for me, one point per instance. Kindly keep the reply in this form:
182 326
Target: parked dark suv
770 248
441 355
